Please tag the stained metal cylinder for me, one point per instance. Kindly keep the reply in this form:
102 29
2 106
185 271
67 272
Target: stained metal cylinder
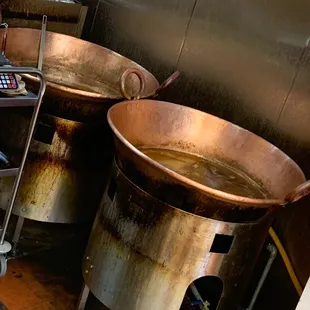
144 253
158 230
70 155
66 168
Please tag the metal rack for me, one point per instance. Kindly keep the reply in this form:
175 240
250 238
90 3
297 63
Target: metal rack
18 101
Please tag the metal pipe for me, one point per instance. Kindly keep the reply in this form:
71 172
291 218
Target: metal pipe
273 253
83 298
28 141
204 304
4 38
42 42
17 233
286 260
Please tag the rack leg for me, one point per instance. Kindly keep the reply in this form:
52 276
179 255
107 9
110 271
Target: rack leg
83 298
17 233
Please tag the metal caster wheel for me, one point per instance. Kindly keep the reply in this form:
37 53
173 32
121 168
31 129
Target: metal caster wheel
3 266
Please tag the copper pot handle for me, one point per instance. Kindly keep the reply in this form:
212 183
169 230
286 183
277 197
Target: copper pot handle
124 76
298 193
169 81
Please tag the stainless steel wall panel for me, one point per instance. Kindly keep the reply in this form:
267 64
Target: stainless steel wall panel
149 32
92 8
295 117
241 58
294 124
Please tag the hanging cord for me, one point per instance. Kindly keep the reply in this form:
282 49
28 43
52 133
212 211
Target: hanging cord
286 261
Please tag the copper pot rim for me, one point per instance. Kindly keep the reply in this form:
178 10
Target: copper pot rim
82 93
188 213
214 193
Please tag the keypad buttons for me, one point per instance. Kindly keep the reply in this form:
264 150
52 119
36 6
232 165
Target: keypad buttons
8 81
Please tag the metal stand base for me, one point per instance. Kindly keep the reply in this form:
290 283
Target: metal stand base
18 101
83 298
3 265
5 248
17 232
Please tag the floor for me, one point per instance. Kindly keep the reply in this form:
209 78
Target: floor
50 280
44 281
31 285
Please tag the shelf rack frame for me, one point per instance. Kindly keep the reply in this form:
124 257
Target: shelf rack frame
30 100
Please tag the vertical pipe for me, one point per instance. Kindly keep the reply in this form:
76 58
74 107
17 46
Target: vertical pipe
286 260
42 42
83 298
4 38
273 253
205 304
17 232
